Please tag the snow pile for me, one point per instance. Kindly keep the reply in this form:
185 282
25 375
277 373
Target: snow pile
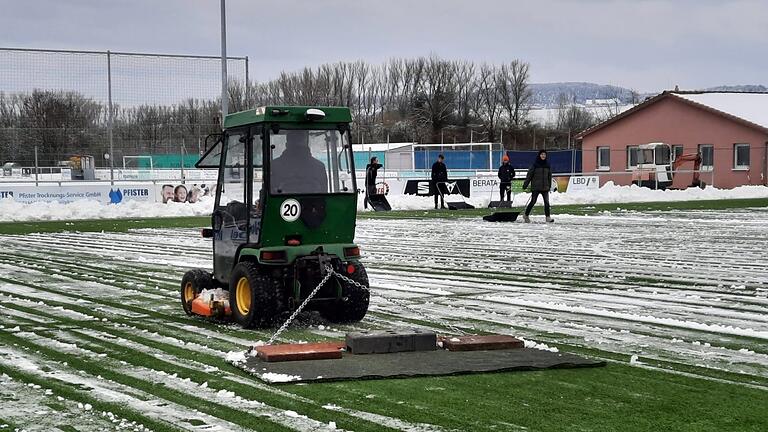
538 346
272 377
215 294
13 211
610 193
236 357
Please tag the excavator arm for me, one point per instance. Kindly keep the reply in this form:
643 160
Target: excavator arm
696 159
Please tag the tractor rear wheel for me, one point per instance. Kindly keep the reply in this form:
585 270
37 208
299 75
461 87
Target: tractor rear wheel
194 282
354 303
254 298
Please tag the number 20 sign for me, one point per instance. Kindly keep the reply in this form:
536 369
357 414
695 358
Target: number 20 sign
290 210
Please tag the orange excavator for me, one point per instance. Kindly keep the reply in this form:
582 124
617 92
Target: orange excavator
654 170
696 159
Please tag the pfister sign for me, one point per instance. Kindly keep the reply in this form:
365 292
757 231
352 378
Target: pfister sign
583 183
105 194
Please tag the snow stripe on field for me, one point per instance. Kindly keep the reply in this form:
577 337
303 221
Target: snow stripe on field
688 289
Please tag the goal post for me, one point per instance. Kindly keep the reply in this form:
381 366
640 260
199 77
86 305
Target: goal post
138 167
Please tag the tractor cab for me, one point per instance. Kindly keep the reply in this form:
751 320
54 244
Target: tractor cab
284 214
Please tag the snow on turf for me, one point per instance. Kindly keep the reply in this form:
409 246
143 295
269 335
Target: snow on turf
215 294
610 193
689 288
13 211
272 377
631 283
236 357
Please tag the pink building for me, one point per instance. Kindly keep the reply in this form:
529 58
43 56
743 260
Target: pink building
729 129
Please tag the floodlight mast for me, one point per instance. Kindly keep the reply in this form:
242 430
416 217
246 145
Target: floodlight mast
224 96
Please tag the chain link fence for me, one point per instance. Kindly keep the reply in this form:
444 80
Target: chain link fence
58 102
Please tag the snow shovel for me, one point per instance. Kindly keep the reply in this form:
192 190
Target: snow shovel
454 205
379 202
502 204
502 216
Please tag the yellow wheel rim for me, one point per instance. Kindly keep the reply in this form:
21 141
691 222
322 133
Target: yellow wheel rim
243 294
189 292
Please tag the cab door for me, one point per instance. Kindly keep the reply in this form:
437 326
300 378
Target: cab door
231 211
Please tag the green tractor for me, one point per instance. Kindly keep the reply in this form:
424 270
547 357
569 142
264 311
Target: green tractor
284 218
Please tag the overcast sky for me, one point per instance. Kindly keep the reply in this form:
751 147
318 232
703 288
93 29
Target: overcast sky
641 44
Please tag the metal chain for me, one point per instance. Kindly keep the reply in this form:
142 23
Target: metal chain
401 304
290 319
331 272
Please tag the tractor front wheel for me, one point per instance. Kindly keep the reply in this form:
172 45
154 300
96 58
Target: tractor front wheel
353 305
254 298
192 284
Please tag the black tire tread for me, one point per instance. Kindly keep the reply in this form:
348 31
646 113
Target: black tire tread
266 295
355 308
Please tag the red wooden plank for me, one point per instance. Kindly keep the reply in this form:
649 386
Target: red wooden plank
479 343
305 351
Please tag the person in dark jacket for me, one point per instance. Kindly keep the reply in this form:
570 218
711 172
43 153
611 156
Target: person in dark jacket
506 174
296 171
439 177
540 179
371 171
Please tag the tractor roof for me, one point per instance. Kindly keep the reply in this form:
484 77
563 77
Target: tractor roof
287 114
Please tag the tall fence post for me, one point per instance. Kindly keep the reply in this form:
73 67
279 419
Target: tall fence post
110 121
224 92
573 157
247 76
37 168
765 164
183 153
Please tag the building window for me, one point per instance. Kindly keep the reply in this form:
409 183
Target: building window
707 156
677 151
632 156
604 158
741 156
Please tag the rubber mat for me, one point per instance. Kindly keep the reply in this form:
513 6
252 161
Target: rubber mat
411 364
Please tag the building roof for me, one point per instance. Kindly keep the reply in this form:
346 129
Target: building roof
750 109
377 147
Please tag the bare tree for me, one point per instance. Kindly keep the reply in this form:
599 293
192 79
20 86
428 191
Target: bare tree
572 118
436 97
466 93
488 106
516 95
59 122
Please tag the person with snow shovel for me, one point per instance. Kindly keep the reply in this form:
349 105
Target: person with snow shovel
439 177
506 174
371 171
540 179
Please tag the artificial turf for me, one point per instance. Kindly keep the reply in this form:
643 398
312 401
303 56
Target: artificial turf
122 225
619 397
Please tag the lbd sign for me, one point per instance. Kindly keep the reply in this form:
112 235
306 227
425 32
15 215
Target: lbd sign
577 183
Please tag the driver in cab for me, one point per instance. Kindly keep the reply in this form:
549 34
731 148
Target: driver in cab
296 171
